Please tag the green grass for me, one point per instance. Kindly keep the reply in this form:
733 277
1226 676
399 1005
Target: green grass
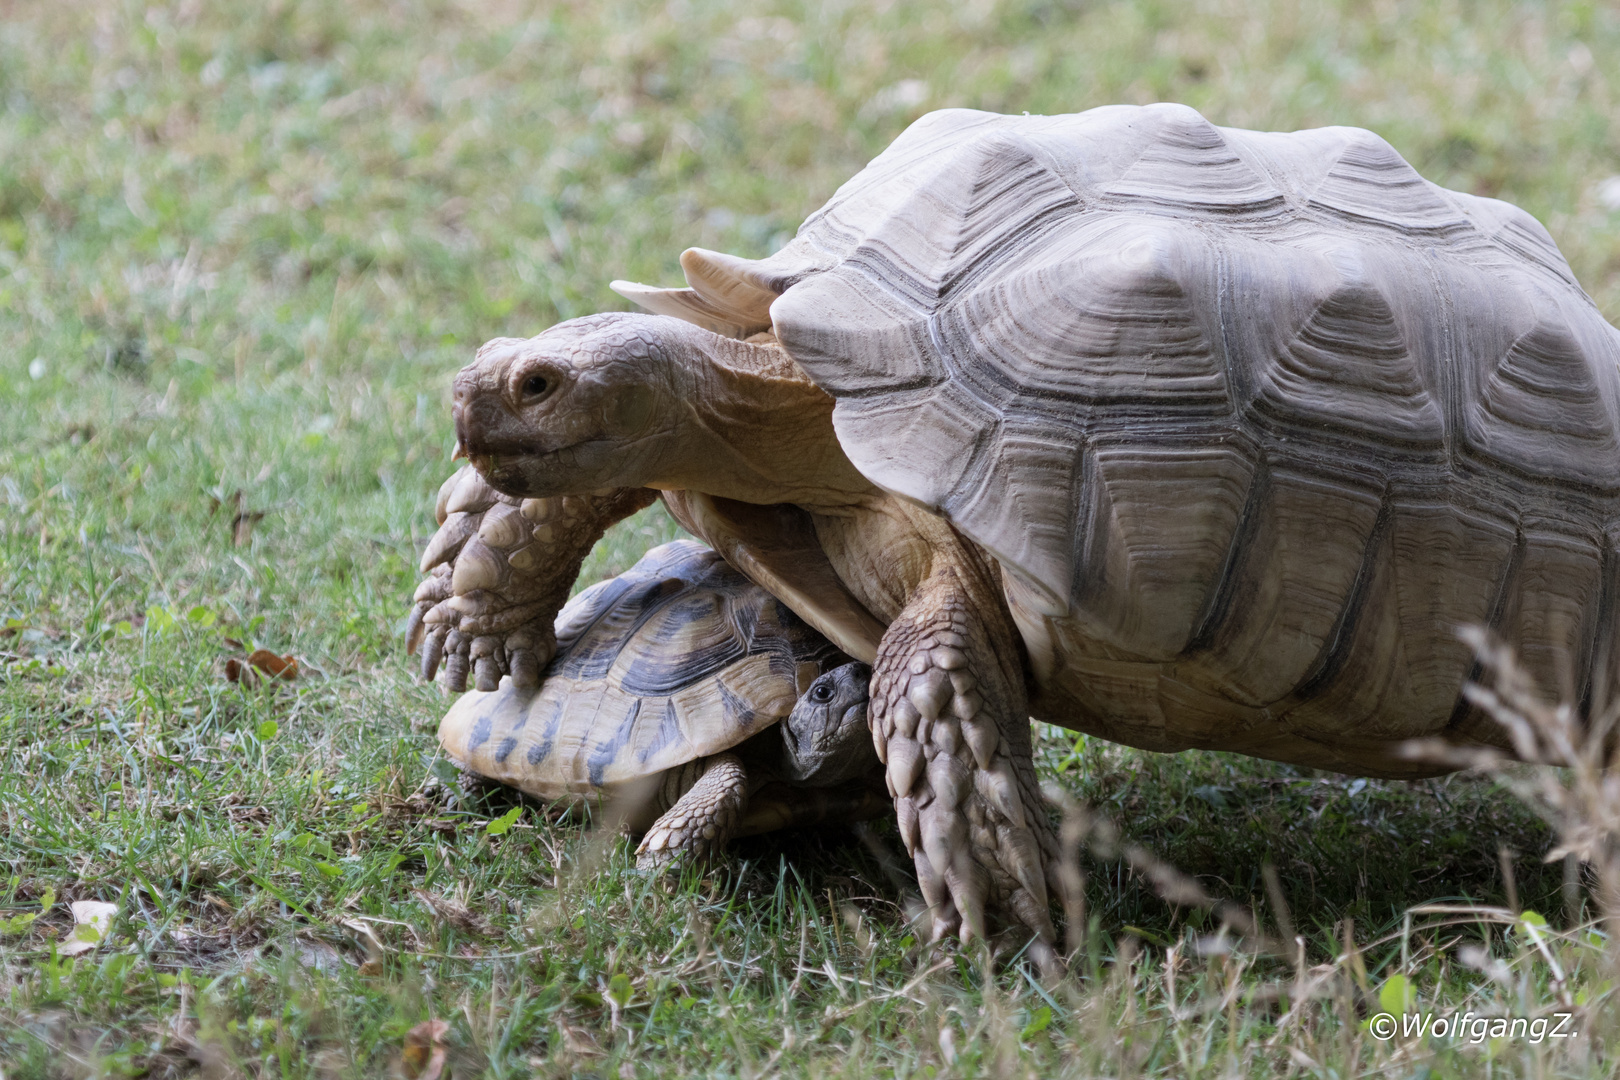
243 248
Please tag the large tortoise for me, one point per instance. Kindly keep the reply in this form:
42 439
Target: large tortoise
1178 435
692 701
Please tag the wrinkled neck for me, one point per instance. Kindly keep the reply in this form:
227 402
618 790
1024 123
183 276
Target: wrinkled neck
752 427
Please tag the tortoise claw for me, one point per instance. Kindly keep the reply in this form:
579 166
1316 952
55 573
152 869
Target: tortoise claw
497 572
702 821
433 651
951 723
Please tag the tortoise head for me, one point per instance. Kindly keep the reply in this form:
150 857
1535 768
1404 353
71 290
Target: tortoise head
825 737
587 405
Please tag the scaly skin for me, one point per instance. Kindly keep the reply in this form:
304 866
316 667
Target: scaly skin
640 401
949 719
821 745
500 569
949 714
702 821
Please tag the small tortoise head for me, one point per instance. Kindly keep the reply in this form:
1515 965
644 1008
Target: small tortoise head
584 406
826 737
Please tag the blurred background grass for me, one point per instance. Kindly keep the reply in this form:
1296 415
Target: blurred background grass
244 247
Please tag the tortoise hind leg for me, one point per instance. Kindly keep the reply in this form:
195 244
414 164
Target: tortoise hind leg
702 821
949 717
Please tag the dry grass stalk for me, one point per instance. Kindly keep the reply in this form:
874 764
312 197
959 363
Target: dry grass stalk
1577 789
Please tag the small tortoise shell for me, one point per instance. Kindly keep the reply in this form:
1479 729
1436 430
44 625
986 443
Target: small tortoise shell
679 658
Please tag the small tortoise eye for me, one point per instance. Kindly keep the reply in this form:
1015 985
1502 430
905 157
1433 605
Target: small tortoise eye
534 385
821 692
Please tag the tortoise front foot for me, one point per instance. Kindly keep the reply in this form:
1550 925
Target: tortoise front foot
950 721
498 571
702 821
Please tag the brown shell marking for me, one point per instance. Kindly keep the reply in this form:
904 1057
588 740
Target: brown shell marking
677 659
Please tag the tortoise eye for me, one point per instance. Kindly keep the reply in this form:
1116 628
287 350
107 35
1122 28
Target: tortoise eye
534 385
821 692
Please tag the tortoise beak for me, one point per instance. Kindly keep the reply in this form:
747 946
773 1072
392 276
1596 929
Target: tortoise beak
487 428
478 410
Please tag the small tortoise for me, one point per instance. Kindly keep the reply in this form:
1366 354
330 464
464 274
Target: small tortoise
1183 436
694 701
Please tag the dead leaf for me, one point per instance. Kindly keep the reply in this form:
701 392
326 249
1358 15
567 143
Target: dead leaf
577 1040
248 815
262 660
242 527
375 952
455 913
424 1053
277 667
319 956
240 810
242 521
92 919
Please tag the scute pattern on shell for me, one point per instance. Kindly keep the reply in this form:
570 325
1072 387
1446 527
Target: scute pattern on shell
679 658
1253 420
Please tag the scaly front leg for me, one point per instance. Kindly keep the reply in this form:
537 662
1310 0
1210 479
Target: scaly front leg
499 569
702 821
949 718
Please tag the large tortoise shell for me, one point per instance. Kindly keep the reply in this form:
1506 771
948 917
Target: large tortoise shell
676 659
993 293
1253 421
